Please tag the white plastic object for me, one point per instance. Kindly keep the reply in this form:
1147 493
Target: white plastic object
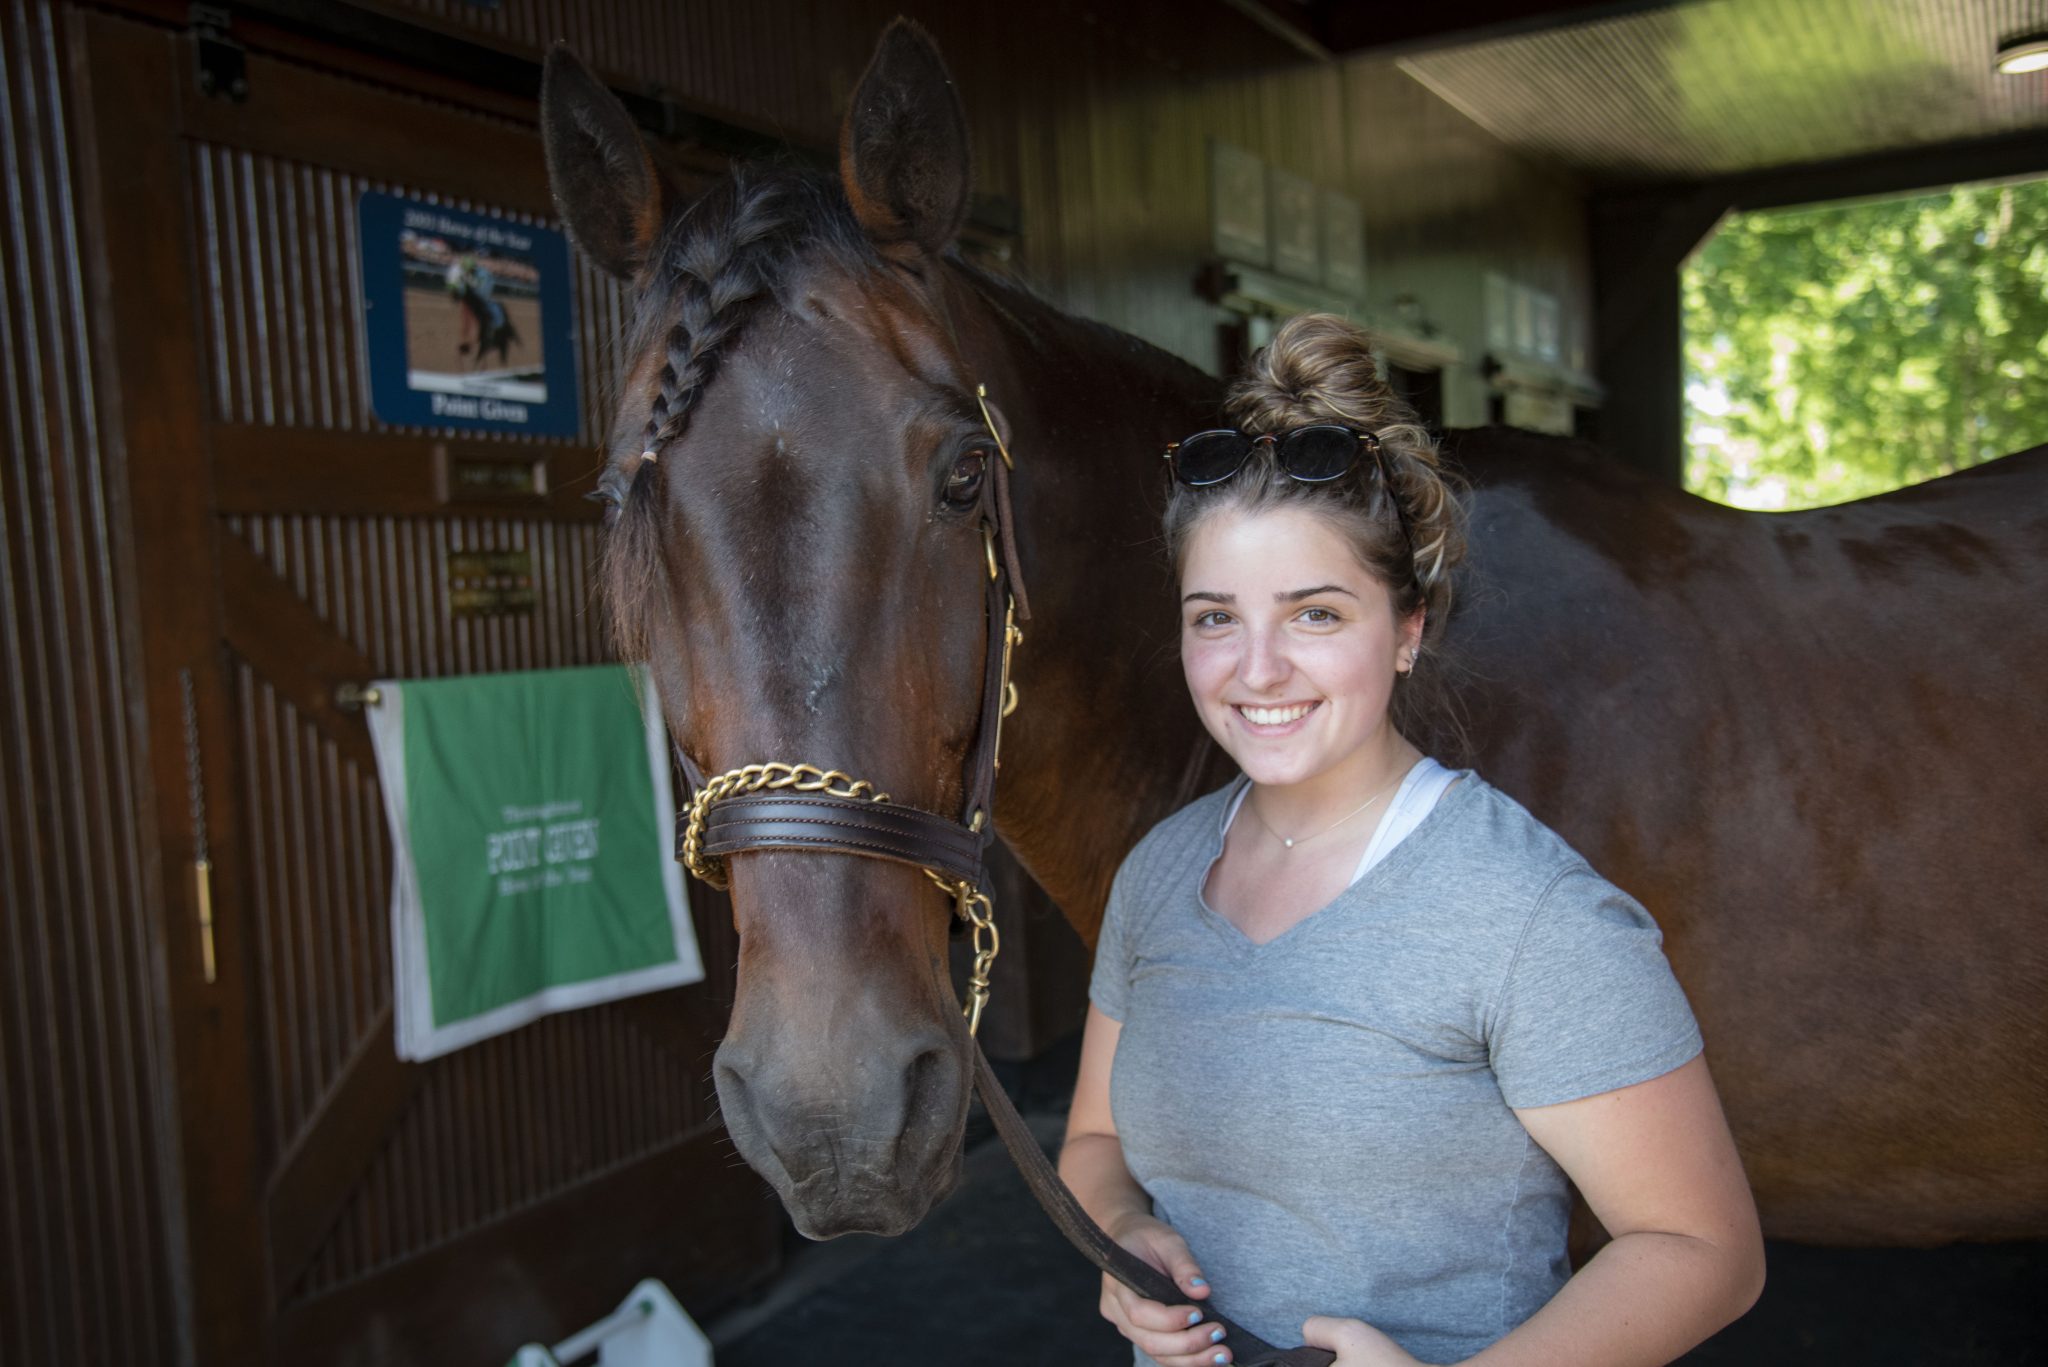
647 1330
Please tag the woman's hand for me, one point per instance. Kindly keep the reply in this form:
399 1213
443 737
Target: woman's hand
1172 1335
1356 1343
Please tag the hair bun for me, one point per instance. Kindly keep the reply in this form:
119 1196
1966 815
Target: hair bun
1319 368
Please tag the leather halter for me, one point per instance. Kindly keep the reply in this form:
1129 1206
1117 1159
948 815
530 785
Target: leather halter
770 816
953 853
881 829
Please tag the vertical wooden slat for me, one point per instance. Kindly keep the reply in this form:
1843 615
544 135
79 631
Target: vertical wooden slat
82 1221
95 1071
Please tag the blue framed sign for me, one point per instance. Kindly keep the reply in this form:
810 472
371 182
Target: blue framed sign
466 319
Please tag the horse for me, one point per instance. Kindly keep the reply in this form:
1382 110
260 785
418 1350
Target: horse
494 330
1806 741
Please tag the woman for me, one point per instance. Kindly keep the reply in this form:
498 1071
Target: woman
1366 1015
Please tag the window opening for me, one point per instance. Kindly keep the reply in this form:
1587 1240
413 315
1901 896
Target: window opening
1842 350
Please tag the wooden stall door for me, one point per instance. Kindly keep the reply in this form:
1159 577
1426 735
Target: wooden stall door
343 1207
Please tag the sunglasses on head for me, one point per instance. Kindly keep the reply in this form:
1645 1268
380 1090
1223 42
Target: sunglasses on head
1313 455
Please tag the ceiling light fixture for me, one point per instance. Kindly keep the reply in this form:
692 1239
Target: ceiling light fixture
2024 53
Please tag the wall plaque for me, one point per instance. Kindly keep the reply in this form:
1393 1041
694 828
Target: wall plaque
466 319
1237 205
487 478
474 477
490 584
1343 244
1525 319
1297 231
1500 312
1549 325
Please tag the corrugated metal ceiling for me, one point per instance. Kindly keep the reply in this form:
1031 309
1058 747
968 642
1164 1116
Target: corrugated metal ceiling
1707 89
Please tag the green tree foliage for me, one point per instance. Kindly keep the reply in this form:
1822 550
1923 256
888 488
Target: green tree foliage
1837 352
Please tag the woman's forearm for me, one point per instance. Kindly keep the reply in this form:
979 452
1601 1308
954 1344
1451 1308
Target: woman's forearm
1644 1299
1093 1167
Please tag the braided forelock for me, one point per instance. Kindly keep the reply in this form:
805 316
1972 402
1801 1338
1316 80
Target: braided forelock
717 268
731 245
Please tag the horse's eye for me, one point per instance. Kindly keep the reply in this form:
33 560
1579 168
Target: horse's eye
963 483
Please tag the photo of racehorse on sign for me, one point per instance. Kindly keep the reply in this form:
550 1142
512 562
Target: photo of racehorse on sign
487 292
467 317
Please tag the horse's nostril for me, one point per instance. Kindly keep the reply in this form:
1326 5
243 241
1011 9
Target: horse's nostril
730 1084
928 1090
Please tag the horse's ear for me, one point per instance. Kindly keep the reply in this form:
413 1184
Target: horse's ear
903 154
604 183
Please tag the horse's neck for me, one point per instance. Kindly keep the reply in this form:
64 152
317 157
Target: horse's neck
1104 740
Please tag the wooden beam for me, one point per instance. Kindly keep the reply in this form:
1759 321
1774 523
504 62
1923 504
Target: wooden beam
435 58
334 1148
1638 244
263 470
286 642
125 81
676 1214
1895 172
1293 22
299 113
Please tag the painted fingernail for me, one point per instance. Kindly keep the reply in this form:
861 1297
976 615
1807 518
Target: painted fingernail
1220 1359
1216 1334
1197 1281
1194 1317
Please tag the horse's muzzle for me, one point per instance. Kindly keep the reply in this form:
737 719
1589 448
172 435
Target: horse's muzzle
856 1141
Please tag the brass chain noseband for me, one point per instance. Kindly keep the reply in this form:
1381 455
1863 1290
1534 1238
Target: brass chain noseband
753 778
848 815
970 904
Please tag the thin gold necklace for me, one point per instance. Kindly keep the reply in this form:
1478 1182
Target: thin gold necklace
1303 840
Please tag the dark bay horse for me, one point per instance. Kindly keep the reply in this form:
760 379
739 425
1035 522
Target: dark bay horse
1809 742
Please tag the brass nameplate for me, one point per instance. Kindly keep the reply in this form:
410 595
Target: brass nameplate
490 584
495 480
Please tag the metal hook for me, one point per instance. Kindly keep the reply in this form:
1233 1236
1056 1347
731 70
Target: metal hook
981 397
353 697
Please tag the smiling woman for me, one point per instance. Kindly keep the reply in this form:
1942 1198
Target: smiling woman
1389 496
1347 1057
1294 672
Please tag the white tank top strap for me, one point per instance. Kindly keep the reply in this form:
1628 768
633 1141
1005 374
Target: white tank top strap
1241 788
1418 793
1420 788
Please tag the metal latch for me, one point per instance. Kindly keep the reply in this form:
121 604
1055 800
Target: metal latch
222 62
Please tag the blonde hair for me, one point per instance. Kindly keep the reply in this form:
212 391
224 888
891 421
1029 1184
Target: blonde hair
1402 512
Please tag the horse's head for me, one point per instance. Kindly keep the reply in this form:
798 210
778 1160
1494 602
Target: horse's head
795 478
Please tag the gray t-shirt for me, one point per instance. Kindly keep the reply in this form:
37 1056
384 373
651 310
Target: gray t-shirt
1325 1117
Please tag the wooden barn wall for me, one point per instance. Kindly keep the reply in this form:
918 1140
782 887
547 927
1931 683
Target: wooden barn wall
1096 122
278 239
86 1273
